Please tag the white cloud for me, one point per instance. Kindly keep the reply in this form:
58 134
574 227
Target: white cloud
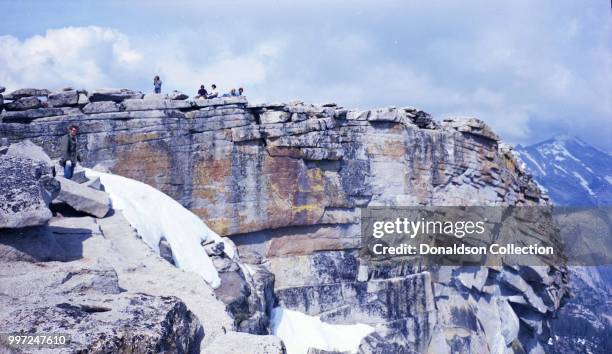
71 56
93 57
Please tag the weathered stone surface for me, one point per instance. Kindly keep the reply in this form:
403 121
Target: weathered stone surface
28 115
143 105
270 117
116 95
221 101
83 198
239 343
177 95
88 304
63 98
28 150
472 126
102 107
22 202
23 103
26 92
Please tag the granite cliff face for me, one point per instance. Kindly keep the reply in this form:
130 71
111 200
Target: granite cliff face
286 181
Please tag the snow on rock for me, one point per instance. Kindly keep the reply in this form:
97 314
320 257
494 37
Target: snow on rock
300 332
155 215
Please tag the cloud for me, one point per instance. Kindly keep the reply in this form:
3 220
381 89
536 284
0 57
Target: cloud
530 69
78 56
93 57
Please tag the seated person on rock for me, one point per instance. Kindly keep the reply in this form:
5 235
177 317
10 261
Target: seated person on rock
240 91
202 93
213 92
69 150
230 94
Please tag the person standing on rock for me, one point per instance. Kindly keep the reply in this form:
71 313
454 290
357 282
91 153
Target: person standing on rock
157 84
70 154
240 91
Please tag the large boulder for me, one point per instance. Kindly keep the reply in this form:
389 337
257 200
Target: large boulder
82 198
102 107
27 92
472 126
22 192
116 95
64 98
85 301
27 149
177 95
23 103
28 115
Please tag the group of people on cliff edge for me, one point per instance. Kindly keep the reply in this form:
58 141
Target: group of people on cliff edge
202 92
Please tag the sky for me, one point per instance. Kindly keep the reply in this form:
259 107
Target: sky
529 69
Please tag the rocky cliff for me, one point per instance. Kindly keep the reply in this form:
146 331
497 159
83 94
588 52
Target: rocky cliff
286 182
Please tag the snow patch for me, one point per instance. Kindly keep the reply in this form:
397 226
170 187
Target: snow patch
559 168
609 179
155 215
528 156
300 332
584 183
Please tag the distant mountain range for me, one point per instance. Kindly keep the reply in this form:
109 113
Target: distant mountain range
575 173
572 171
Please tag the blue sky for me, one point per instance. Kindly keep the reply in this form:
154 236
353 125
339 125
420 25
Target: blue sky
530 69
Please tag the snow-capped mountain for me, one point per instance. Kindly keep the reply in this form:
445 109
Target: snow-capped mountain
572 171
577 174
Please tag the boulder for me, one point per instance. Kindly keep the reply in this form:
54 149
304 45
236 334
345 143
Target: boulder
115 95
23 103
270 117
28 150
22 202
28 115
472 126
102 107
83 99
63 98
27 92
177 95
82 198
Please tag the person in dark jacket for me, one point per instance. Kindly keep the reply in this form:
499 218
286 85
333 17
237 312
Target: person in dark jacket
70 154
202 93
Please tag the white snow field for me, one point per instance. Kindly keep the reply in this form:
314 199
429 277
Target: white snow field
155 215
300 332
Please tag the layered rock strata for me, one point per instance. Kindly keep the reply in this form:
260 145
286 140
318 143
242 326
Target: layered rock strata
287 181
